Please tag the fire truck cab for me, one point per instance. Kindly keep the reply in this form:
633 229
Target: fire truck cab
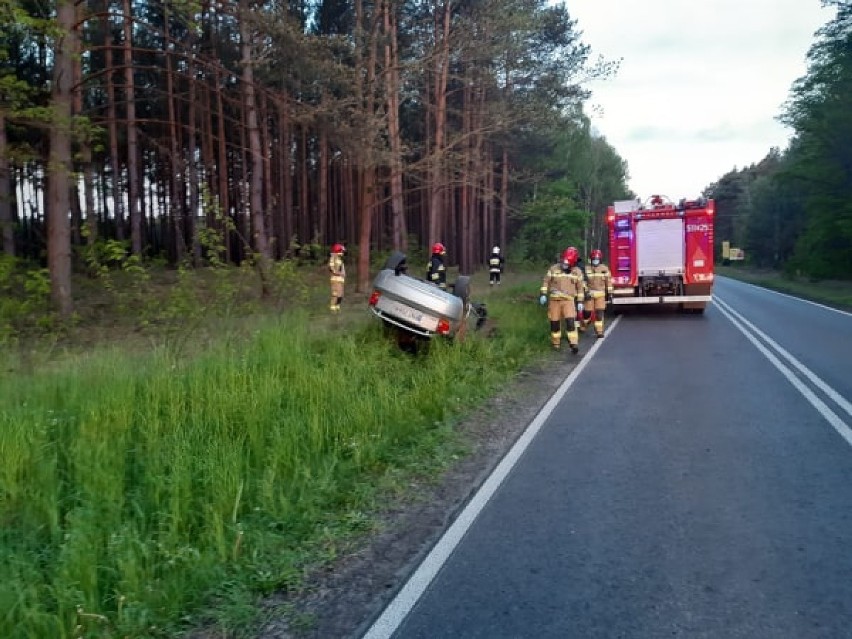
661 252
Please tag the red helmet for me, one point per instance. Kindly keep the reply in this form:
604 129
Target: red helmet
570 255
338 248
597 255
438 248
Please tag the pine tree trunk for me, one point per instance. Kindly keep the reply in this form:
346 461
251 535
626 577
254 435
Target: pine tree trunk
133 167
267 177
259 235
367 207
59 167
467 173
440 75
327 232
286 204
176 208
222 169
305 230
112 126
365 92
89 193
192 166
76 109
504 197
399 230
207 153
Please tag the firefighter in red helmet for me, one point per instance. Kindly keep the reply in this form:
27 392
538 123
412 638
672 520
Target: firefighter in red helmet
599 281
437 271
337 276
563 290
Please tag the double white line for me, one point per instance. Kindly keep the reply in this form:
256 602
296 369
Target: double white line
752 333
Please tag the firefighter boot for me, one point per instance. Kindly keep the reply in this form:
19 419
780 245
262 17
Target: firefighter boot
555 335
573 337
599 323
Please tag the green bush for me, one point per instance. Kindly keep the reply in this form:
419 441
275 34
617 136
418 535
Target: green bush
24 300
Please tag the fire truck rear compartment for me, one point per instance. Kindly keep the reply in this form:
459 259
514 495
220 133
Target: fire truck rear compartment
659 249
657 285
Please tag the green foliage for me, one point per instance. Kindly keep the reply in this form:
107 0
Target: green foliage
820 161
139 490
310 252
24 300
775 216
550 222
569 163
212 238
290 282
122 275
103 255
793 211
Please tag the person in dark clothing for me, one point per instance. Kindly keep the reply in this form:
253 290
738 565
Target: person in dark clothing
495 266
437 272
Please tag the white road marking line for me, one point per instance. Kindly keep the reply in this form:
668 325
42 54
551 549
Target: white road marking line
396 611
804 370
830 416
792 297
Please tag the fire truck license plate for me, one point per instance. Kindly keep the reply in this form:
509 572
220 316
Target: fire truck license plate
404 312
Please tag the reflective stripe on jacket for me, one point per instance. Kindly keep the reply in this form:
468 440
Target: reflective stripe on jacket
599 279
559 285
437 272
336 268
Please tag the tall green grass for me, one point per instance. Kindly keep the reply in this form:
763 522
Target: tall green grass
142 494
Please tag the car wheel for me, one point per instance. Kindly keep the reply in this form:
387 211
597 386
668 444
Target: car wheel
396 259
462 288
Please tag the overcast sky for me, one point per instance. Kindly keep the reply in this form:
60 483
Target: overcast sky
700 85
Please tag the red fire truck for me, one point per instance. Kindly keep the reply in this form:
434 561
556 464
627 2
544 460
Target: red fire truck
661 252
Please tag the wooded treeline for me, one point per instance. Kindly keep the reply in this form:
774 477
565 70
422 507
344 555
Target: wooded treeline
793 209
242 130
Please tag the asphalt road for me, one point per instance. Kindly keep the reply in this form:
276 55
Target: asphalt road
692 479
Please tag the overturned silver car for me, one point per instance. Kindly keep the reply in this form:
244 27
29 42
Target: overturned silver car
418 308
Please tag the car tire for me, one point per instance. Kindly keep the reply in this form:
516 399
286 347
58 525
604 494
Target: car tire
394 261
462 288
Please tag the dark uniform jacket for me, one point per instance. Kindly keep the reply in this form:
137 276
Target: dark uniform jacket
437 272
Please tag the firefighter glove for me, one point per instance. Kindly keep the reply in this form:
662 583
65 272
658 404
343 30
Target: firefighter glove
542 300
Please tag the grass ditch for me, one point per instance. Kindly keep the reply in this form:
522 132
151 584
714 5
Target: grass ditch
146 493
836 293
